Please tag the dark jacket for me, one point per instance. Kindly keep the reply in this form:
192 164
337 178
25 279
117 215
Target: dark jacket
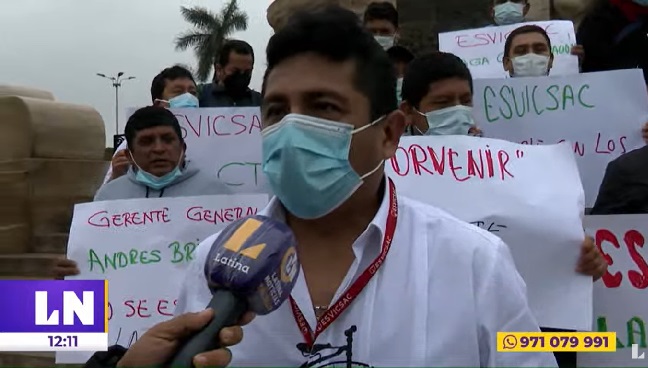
624 189
611 41
214 95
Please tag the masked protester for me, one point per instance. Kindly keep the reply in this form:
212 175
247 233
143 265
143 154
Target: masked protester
233 72
381 19
400 57
505 12
330 119
173 88
527 52
437 96
158 167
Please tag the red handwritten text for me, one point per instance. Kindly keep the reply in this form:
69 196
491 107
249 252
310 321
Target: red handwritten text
602 145
126 219
218 125
631 239
489 38
222 215
482 163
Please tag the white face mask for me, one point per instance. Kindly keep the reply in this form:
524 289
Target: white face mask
385 41
530 65
454 120
509 13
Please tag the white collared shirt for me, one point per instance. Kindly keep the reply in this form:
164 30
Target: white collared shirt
444 291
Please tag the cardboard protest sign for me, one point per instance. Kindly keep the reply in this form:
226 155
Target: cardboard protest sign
621 295
482 49
600 114
510 190
142 247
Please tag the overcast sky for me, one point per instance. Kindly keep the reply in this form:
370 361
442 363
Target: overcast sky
60 45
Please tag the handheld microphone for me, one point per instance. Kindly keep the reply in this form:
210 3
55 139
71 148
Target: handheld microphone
252 265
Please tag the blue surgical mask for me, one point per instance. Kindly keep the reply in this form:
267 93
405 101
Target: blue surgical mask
306 161
455 120
641 2
158 182
509 13
385 41
399 89
184 100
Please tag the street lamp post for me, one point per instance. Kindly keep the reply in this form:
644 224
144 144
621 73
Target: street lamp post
117 83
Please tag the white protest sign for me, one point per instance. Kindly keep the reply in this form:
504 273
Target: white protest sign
601 114
621 295
510 190
482 49
225 142
142 247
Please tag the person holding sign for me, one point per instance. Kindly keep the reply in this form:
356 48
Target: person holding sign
387 280
527 52
507 12
159 168
173 88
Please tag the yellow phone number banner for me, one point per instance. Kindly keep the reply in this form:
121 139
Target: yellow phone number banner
556 341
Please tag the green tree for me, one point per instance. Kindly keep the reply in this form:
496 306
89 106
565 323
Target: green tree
209 32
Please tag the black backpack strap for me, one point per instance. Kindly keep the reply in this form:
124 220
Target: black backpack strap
106 359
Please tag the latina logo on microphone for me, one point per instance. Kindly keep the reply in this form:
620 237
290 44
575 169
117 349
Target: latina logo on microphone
235 244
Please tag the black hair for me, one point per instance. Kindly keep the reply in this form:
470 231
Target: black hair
338 35
430 68
382 11
238 46
149 117
168 74
530 28
400 54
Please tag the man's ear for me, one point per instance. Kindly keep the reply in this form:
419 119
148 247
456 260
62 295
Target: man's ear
526 8
506 64
393 128
397 35
218 72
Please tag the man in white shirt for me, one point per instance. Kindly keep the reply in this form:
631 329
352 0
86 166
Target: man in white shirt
386 280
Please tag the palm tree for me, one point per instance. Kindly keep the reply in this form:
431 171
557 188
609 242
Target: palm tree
209 32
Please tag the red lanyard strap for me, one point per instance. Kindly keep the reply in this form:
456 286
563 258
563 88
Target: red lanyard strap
354 290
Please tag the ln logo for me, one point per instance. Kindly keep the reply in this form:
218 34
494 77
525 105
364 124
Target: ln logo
635 352
243 233
72 305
